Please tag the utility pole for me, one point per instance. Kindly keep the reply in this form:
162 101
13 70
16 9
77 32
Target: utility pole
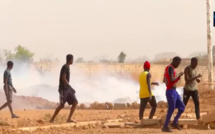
209 44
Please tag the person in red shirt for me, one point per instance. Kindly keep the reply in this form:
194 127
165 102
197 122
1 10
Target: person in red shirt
173 98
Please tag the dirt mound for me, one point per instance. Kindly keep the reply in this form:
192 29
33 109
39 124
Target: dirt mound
28 102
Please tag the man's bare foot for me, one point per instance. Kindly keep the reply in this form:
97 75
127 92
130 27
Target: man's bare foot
14 116
71 121
51 121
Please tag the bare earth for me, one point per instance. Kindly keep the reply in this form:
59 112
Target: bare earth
32 118
41 117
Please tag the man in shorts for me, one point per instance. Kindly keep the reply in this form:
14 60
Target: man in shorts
67 93
9 89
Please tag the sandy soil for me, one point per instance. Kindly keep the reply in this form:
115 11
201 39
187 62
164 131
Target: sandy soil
40 118
30 118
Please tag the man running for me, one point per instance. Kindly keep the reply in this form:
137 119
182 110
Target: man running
67 93
190 89
173 98
145 93
9 89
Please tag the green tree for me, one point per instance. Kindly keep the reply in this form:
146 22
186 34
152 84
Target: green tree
121 57
21 54
8 55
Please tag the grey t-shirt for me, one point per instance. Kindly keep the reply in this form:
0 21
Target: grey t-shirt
7 74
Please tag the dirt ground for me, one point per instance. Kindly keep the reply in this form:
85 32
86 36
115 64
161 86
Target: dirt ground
41 117
31 118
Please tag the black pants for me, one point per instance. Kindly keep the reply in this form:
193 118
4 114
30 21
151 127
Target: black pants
195 97
143 103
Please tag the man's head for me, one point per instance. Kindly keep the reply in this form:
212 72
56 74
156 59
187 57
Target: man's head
10 65
146 66
69 59
194 62
176 61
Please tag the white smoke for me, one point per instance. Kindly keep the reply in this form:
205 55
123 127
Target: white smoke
160 92
101 87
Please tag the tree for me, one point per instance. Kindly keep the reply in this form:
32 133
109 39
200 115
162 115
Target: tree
21 54
104 60
121 57
8 55
79 60
1 56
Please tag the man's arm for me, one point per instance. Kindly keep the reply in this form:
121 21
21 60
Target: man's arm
171 74
14 90
148 83
155 83
66 82
6 83
187 77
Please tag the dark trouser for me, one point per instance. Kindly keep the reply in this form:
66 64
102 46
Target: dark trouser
143 103
174 101
195 97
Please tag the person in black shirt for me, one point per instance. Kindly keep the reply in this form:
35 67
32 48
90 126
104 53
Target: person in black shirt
67 93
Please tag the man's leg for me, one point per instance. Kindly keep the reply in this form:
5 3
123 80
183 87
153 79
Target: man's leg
3 106
72 110
9 98
56 113
143 102
10 108
180 105
153 107
61 105
72 100
195 96
171 99
186 96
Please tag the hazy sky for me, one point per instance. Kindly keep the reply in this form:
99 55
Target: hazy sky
102 28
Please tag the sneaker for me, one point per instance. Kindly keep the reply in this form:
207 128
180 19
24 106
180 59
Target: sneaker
166 129
14 116
175 126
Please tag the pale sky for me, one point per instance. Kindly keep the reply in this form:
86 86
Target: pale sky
102 28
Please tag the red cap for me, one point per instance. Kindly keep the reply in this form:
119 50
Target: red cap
146 65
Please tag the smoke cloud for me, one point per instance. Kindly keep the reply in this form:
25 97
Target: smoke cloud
101 87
